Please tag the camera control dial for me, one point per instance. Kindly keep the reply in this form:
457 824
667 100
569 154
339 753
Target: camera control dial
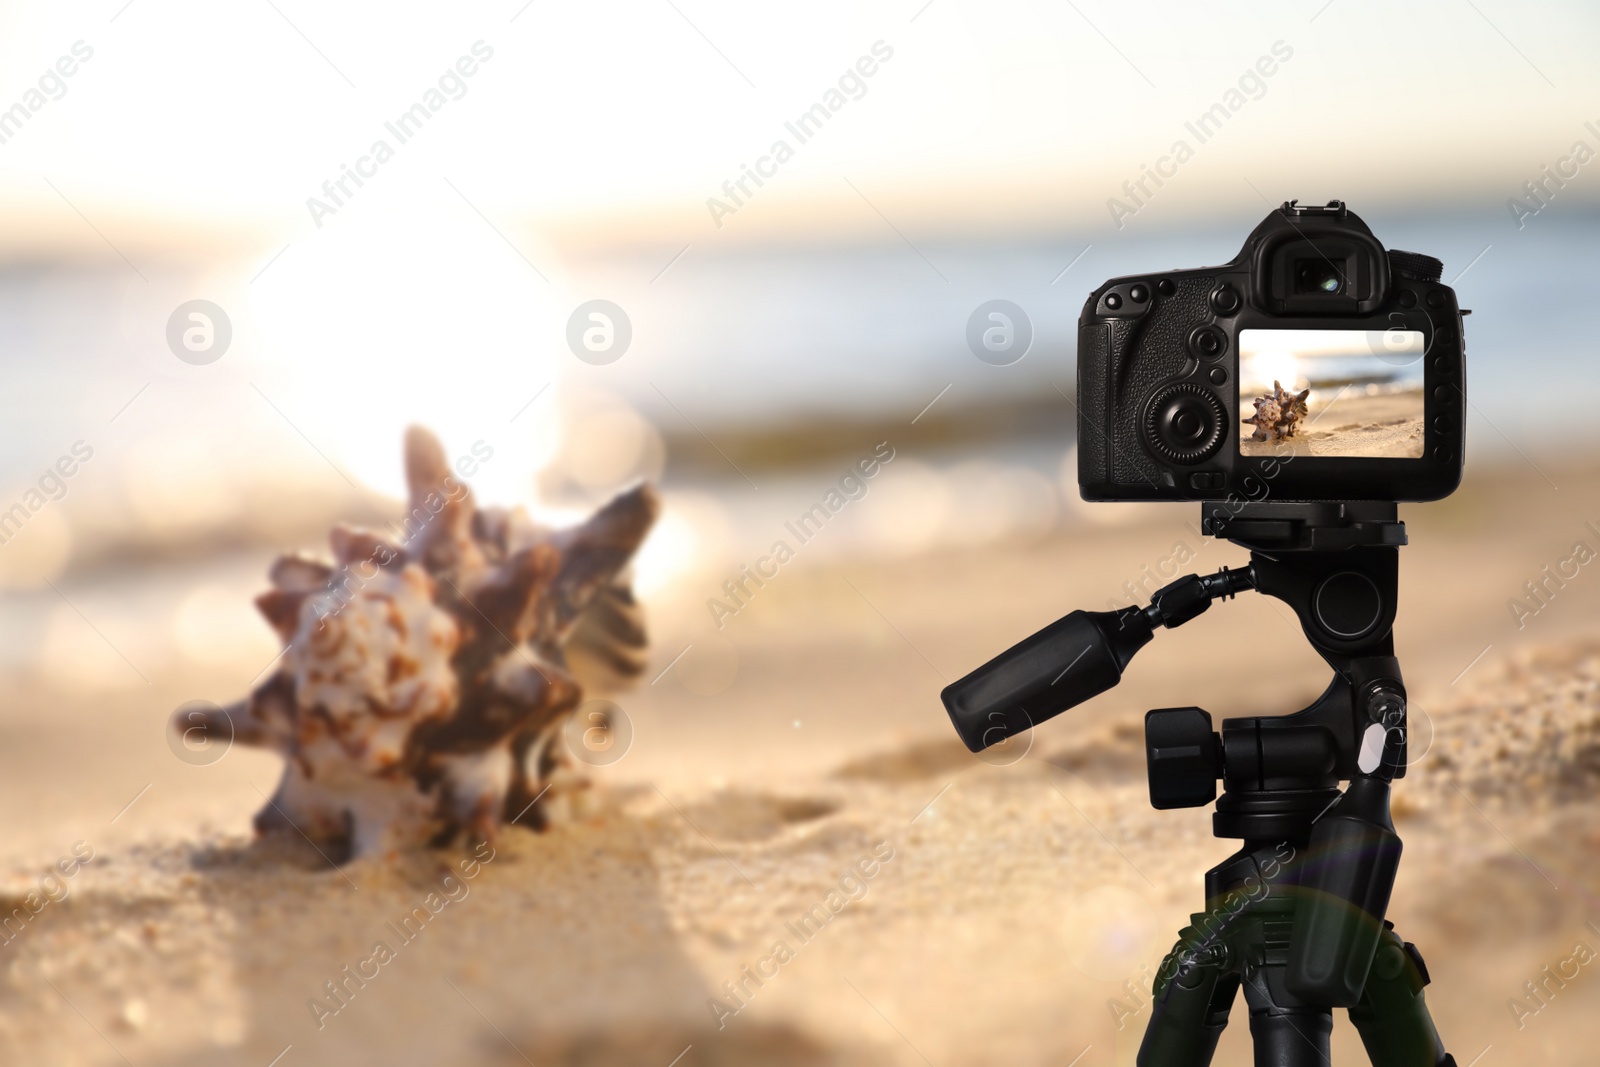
1184 423
1415 266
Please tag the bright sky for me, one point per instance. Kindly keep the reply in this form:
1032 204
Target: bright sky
178 142
195 116
1286 356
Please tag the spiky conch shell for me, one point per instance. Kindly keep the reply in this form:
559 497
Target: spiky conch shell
1278 413
1265 419
425 682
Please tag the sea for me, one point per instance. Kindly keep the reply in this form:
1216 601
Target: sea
330 355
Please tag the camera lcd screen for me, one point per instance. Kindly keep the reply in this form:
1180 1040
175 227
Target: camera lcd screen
1331 393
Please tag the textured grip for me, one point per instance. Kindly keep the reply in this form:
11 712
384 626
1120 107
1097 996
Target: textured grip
1122 360
1145 358
1094 409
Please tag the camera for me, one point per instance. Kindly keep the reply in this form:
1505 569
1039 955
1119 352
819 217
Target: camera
1316 366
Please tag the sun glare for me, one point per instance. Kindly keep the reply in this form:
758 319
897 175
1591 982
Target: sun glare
373 324
1263 368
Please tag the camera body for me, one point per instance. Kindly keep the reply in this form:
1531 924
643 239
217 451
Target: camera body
1315 366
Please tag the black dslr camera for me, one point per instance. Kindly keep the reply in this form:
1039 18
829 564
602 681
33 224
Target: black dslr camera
1314 345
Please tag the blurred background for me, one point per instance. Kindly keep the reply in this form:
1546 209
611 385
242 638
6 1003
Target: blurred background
402 213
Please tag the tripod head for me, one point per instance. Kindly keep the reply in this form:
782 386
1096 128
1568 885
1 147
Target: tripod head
1337 566
1313 556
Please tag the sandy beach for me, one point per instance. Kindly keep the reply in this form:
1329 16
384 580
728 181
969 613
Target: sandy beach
1385 426
1011 914
839 303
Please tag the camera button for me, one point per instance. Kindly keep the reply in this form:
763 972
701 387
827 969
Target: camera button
1113 301
1225 300
1408 299
1216 376
1165 287
1207 342
1436 298
1138 294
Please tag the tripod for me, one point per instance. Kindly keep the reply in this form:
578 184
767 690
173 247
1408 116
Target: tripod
1296 916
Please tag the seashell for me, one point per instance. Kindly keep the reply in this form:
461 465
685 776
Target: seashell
1291 408
424 684
1265 419
1278 413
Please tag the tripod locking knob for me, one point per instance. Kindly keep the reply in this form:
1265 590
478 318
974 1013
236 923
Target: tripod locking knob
1386 706
1184 758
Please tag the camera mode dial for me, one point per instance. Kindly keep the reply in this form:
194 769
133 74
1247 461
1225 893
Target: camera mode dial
1184 423
1415 266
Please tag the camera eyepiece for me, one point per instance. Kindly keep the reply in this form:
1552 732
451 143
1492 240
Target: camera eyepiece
1318 276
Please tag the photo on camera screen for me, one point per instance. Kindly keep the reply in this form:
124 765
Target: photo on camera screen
1331 393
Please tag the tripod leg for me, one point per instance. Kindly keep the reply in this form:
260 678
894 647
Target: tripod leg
1286 1031
1392 1017
1190 1003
